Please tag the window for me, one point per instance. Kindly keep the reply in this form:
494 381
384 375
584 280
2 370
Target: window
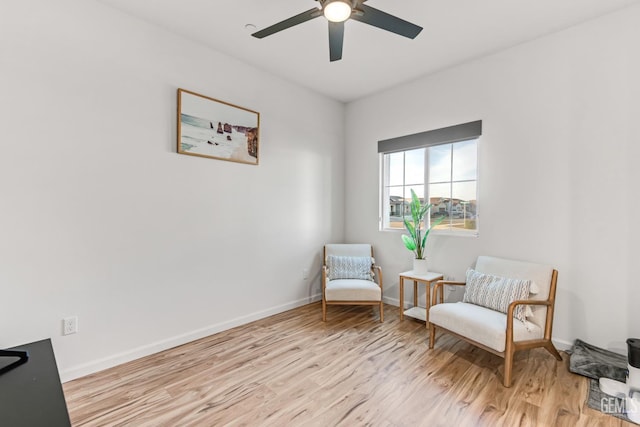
440 165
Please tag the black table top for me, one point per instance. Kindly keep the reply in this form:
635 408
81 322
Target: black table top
31 394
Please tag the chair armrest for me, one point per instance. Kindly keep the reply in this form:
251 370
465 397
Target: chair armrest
450 282
514 304
324 278
529 302
512 308
439 284
377 267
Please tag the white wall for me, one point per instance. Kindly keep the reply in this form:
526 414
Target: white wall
558 168
100 218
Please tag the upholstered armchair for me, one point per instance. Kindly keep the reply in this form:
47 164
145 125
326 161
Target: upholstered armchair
350 277
507 306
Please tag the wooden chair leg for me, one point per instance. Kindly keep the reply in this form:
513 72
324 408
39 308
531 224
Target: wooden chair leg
432 335
381 313
552 349
508 368
324 310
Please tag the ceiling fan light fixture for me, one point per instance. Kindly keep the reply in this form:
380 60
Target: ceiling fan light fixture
337 10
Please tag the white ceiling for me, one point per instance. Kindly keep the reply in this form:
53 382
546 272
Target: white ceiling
454 31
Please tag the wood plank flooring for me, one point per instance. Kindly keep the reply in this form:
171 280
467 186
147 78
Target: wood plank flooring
292 369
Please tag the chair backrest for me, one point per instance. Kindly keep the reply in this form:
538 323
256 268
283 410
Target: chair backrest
347 249
540 274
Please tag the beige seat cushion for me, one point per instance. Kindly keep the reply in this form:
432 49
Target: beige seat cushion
483 325
352 290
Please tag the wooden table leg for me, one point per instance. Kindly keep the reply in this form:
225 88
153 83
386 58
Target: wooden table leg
401 298
415 293
428 303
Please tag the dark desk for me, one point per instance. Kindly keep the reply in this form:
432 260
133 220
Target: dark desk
31 394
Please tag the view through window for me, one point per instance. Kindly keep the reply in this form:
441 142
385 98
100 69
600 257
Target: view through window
445 173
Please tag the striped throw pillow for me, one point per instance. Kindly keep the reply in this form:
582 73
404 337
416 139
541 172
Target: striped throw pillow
496 292
349 267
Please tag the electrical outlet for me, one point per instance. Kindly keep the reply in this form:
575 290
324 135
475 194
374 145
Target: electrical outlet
305 273
70 325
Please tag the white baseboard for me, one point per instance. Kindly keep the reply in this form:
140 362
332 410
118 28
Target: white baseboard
562 345
392 301
149 349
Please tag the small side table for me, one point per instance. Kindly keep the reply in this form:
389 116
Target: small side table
415 311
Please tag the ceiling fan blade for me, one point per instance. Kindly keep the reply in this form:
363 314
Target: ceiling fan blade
288 23
336 39
380 19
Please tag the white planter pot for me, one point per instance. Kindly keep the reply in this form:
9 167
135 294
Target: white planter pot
420 266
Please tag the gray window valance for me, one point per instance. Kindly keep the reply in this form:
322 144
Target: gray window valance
429 138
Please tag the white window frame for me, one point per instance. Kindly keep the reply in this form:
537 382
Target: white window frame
444 136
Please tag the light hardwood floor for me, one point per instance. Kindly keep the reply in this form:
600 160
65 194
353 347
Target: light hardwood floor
293 370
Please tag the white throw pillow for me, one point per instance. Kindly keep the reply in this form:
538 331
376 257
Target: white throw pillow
534 288
496 292
349 267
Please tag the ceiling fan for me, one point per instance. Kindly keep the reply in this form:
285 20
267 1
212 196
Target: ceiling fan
337 12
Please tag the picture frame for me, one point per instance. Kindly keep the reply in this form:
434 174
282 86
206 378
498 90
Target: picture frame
209 127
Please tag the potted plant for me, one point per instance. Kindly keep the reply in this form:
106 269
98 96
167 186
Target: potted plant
417 238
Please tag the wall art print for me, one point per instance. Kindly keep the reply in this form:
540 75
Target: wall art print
211 128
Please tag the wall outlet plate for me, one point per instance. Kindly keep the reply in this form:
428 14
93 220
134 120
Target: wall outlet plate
70 325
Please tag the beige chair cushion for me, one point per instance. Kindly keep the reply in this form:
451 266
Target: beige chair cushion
352 290
348 249
483 325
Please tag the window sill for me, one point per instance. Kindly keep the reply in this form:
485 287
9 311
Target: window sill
474 234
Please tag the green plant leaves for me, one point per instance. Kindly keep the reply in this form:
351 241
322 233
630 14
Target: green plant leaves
409 242
410 228
416 208
417 240
436 222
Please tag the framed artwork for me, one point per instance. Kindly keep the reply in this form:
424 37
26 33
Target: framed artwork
211 128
